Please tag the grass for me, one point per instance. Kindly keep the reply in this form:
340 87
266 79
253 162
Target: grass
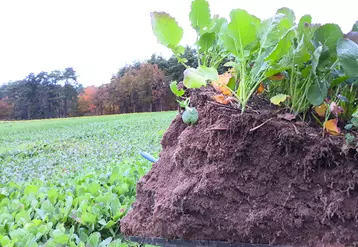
68 182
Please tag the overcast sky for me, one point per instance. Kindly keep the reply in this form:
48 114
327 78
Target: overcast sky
96 38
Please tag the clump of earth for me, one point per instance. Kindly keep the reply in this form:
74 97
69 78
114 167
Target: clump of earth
254 178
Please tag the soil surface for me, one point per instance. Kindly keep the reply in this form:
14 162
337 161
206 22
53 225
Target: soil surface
228 177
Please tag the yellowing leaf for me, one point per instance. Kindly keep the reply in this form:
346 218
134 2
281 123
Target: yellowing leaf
278 99
331 127
277 77
261 88
222 99
221 84
321 110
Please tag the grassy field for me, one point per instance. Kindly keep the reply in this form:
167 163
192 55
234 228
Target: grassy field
68 182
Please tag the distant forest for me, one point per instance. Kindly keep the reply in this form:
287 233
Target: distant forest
139 87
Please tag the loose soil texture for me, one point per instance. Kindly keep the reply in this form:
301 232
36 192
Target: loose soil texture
223 179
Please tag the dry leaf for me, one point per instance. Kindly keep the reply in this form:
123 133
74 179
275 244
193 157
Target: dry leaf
287 116
321 110
222 99
277 77
220 85
331 127
335 109
261 88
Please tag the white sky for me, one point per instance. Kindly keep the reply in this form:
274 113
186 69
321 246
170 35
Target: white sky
96 38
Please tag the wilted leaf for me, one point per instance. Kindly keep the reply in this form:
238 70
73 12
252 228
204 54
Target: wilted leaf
277 77
331 127
278 99
335 109
222 99
321 110
287 116
261 88
221 84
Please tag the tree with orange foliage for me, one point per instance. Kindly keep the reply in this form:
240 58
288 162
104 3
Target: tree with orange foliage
86 99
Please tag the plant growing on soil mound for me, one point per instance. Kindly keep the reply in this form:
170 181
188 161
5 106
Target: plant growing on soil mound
299 65
247 173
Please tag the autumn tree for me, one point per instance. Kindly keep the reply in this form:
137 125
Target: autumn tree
86 101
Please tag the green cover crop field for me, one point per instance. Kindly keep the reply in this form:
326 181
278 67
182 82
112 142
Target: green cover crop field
68 182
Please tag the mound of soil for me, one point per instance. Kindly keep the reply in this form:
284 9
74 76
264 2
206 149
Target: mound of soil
224 179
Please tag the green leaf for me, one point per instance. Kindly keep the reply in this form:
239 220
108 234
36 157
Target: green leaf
278 99
93 239
180 50
88 218
60 237
272 30
200 14
315 58
209 73
217 24
243 28
105 242
336 82
316 94
328 35
195 79
282 47
190 115
288 13
355 121
94 188
206 41
166 29
174 88
347 52
30 189
355 27
232 83
52 195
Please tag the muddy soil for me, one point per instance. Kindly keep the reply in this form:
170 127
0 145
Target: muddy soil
228 177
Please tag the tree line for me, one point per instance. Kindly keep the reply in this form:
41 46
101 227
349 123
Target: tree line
142 86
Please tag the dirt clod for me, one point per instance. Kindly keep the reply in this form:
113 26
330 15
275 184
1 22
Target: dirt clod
277 184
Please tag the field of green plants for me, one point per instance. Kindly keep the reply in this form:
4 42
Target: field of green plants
68 182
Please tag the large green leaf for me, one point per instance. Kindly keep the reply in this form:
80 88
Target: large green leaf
328 35
196 78
272 29
347 52
166 29
193 79
206 41
228 41
315 58
282 47
200 14
243 28
288 13
316 94
216 24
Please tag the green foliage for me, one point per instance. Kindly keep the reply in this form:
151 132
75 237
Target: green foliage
166 29
68 182
175 90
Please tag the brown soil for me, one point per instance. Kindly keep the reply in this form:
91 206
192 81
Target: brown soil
282 183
